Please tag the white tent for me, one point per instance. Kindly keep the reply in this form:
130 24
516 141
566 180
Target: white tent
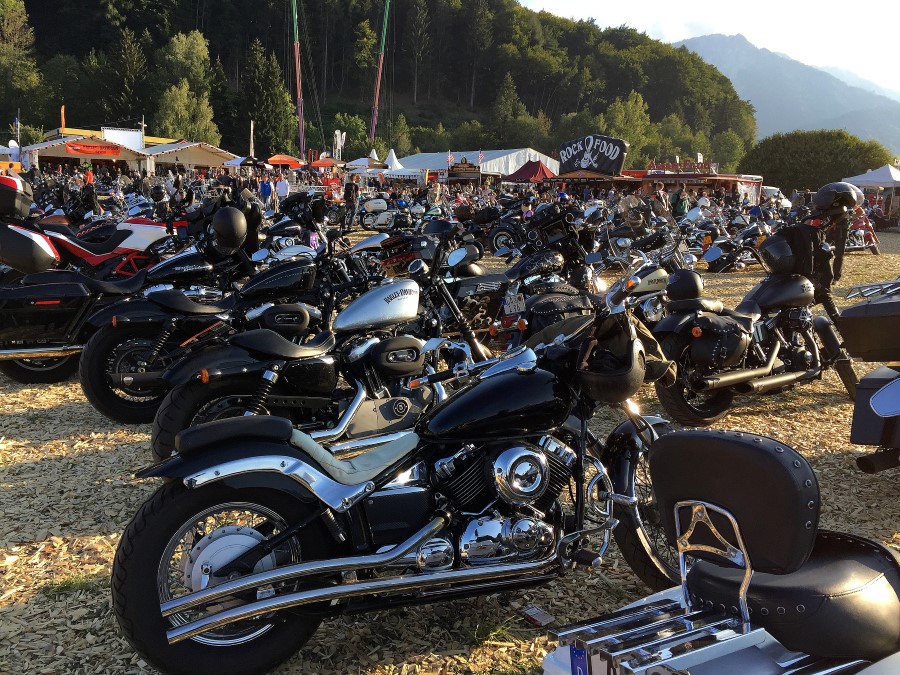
234 162
393 164
497 162
187 154
82 148
886 176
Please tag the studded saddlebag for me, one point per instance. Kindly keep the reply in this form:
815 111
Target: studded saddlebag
722 342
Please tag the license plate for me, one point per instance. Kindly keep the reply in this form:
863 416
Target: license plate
514 304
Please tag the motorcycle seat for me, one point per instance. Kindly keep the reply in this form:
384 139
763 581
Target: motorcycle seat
269 343
842 603
650 242
178 302
362 468
746 313
59 228
127 286
541 287
256 427
103 247
712 305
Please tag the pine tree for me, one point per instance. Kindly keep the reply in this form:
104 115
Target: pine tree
507 107
266 101
126 99
418 38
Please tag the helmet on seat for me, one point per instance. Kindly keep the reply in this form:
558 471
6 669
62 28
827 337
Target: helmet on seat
703 203
157 193
229 230
684 284
778 255
836 198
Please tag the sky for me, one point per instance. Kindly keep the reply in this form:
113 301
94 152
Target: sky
852 37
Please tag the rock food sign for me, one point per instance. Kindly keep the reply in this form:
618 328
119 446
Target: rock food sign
600 154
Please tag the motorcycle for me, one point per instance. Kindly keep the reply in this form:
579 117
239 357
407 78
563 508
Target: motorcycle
48 317
739 251
258 517
768 342
861 236
762 589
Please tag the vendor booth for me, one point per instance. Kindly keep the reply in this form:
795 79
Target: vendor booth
888 178
184 155
493 163
534 171
286 160
78 150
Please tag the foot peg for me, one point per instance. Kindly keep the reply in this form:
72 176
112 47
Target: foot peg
587 558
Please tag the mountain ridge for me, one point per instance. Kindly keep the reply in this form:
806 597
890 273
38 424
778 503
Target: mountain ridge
789 95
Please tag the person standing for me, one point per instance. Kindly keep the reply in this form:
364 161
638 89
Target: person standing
89 176
351 201
265 191
282 188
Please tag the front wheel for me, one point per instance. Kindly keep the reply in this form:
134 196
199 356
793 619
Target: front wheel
640 534
40 371
501 238
172 547
874 249
686 406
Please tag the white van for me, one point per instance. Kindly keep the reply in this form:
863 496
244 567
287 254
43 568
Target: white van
768 192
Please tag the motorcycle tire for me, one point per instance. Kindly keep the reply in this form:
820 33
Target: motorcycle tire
874 249
503 237
40 371
641 539
181 405
121 405
138 564
679 401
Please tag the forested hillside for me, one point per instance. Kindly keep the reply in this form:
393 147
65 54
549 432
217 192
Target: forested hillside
480 73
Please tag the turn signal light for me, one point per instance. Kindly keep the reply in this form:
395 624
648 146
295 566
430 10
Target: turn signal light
115 321
696 331
493 330
204 376
522 324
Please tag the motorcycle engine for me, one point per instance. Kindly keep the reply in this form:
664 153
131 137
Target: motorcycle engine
511 490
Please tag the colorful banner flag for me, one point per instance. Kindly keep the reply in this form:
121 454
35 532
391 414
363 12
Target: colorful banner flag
90 149
481 156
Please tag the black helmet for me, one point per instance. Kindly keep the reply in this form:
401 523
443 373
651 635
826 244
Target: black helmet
229 230
254 215
157 193
438 227
778 255
836 198
607 376
684 285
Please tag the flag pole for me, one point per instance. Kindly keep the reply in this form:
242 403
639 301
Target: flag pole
298 79
372 126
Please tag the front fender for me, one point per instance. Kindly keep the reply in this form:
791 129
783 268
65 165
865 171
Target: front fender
134 310
674 323
622 447
182 467
221 359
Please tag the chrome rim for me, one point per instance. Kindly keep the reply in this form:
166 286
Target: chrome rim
42 365
650 522
209 540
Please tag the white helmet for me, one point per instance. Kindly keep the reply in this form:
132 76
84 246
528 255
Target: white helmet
703 202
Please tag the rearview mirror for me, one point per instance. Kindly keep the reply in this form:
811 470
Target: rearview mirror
463 256
259 255
886 401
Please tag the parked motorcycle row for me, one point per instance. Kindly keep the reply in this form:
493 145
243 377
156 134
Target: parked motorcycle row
350 427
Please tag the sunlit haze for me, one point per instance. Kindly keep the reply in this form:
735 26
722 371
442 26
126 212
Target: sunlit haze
864 39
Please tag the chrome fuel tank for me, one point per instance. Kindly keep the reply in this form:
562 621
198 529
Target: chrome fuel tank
386 305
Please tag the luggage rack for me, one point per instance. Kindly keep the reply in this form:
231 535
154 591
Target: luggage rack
874 289
658 638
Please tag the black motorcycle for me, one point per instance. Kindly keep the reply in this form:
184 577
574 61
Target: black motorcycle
261 532
770 341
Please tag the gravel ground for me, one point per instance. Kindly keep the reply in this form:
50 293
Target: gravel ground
66 494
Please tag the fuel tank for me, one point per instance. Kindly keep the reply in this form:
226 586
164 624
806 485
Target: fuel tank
185 266
290 277
781 291
542 263
385 305
651 280
510 404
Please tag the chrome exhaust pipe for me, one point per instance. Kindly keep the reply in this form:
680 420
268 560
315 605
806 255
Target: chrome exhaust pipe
40 352
365 444
341 427
346 591
738 377
149 380
304 569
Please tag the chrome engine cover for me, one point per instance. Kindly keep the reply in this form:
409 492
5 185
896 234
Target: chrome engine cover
520 474
492 539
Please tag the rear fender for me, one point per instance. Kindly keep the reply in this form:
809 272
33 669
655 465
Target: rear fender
674 323
219 360
182 467
128 310
259 464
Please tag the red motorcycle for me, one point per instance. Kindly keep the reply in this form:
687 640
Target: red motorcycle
861 236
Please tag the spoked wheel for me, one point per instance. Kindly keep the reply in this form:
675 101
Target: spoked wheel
40 371
690 408
112 352
174 546
641 537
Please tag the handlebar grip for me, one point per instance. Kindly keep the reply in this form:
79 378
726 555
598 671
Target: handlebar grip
432 379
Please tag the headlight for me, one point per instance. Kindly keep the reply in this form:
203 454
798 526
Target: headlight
652 309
